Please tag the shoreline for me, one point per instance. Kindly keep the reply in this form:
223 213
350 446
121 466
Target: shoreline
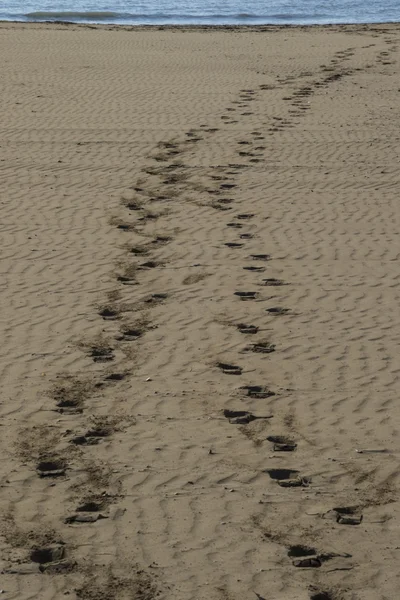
246 28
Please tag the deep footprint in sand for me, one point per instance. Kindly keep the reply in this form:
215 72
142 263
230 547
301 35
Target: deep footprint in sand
92 436
258 391
242 417
271 281
229 369
348 515
109 314
260 347
288 478
125 280
246 295
245 216
139 250
82 518
101 354
130 335
51 467
244 328
150 264
282 443
233 245
116 377
277 310
156 298
234 225
254 269
260 256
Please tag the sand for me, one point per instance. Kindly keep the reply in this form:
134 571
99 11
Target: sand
196 221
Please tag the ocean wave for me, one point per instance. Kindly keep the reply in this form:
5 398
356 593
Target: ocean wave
300 15
96 15
110 16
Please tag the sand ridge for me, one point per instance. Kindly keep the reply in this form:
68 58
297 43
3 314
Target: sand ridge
201 330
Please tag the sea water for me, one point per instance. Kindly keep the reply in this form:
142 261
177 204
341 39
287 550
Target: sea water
203 12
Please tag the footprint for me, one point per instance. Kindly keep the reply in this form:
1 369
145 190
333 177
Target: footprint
297 482
256 269
246 295
348 515
139 250
245 216
227 186
161 240
102 354
47 554
51 559
125 227
260 256
70 405
243 328
288 478
261 347
57 568
130 335
93 436
226 200
258 391
308 563
116 377
298 551
82 518
276 310
282 443
82 440
55 467
282 474
93 505
321 596
109 314
246 236
218 206
273 282
238 417
156 298
133 206
241 417
234 225
126 280
317 561
150 264
149 217
233 245
229 369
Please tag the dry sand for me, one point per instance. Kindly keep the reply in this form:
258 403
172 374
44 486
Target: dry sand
159 174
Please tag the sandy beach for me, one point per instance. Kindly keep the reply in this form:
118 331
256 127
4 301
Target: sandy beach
200 324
